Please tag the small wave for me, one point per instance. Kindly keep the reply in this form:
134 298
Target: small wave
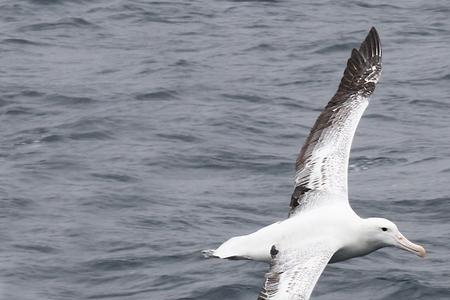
295 82
373 5
17 202
409 287
295 104
60 164
60 24
228 160
151 17
365 163
416 32
446 77
36 248
179 137
262 1
114 177
420 203
147 223
158 95
423 160
52 138
262 47
50 2
245 97
108 71
380 117
446 170
31 93
92 135
71 100
430 103
33 131
5 102
119 295
335 48
258 26
23 93
19 110
129 246
86 124
443 9
116 264
182 63
22 42
431 209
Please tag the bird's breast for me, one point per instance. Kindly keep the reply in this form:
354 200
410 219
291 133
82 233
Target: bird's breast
351 251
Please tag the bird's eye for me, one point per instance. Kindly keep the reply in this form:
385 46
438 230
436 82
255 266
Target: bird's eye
384 228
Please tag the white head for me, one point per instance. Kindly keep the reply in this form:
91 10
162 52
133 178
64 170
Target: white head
383 233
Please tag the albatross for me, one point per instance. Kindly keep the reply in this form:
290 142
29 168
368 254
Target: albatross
322 227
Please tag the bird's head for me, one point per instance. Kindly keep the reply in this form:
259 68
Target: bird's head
385 233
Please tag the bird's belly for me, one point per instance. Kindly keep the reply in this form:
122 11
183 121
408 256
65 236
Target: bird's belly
349 252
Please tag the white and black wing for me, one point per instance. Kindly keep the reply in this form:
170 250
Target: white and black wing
294 272
321 167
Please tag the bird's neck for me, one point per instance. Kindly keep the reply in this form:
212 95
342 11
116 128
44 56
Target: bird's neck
357 243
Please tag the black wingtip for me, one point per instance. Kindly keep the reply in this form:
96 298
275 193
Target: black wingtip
371 46
364 66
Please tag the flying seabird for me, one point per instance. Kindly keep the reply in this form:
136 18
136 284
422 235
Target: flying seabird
322 228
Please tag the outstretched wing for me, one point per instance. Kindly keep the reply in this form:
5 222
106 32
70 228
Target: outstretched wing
321 167
295 272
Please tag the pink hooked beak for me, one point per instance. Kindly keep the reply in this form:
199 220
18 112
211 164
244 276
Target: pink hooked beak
403 243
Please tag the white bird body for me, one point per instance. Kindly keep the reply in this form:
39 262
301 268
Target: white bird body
312 225
322 227
315 225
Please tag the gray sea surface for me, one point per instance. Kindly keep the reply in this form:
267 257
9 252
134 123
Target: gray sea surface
134 134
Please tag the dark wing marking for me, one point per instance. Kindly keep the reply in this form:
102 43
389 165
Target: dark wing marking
294 272
321 166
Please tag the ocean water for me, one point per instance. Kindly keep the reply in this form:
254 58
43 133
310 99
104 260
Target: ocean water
134 134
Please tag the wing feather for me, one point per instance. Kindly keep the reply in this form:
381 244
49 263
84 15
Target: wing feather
295 272
321 166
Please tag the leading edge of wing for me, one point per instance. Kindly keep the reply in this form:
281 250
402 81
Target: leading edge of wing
323 160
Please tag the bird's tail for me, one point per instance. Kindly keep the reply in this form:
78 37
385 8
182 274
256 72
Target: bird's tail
235 248
209 253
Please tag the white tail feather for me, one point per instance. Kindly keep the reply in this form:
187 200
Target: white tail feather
208 253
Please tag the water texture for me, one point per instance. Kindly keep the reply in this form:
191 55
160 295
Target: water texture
137 133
